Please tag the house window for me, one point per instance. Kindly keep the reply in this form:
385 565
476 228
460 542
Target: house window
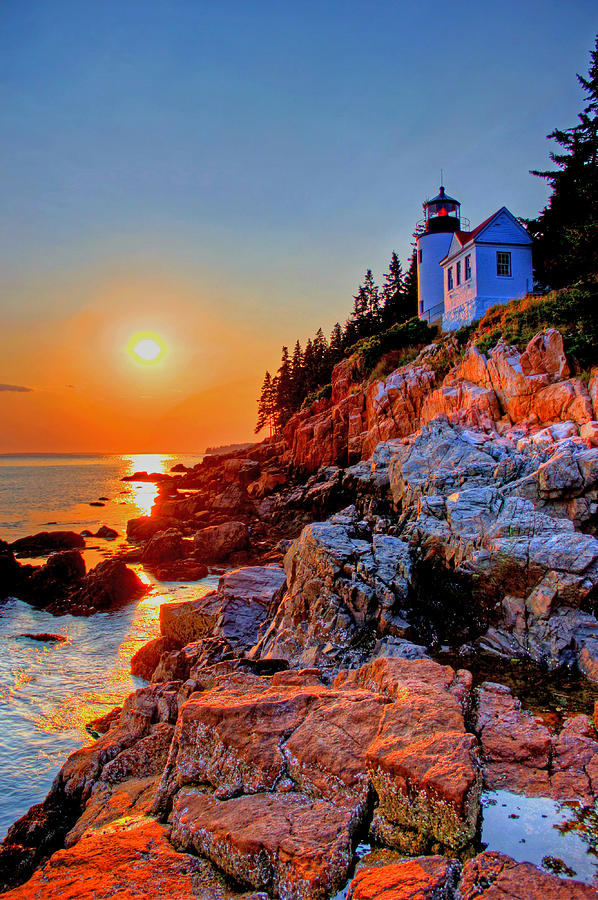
503 263
459 272
421 254
467 268
450 278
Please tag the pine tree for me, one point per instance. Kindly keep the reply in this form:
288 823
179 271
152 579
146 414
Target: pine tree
297 377
265 406
566 231
335 345
309 370
283 395
410 287
393 294
373 296
320 350
366 310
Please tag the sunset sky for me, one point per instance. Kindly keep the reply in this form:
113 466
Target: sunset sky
222 174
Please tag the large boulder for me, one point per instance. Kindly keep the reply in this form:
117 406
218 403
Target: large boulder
11 575
62 573
164 547
271 738
45 542
234 612
290 845
189 620
495 522
145 660
143 528
217 542
110 585
343 585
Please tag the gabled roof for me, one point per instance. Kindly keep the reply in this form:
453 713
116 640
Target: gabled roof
470 237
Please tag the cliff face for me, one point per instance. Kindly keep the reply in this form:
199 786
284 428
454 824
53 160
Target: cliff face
507 392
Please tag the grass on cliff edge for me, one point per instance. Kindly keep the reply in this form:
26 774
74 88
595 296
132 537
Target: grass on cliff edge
573 310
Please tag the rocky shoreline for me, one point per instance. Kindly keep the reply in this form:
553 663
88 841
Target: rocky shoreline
297 710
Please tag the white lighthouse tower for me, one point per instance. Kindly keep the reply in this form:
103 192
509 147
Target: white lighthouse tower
442 217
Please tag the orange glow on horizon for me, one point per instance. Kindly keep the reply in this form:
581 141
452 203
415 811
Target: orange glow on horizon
88 395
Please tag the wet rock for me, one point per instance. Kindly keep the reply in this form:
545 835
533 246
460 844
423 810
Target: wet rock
107 533
234 612
266 484
52 583
493 875
232 500
46 636
145 660
164 547
217 542
185 622
187 569
110 585
522 755
145 527
11 572
134 852
247 596
290 845
516 748
422 878
45 542
104 723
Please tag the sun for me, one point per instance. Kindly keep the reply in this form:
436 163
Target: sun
146 347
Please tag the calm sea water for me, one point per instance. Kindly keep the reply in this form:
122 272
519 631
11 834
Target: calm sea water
48 691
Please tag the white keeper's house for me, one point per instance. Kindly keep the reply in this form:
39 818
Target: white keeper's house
462 273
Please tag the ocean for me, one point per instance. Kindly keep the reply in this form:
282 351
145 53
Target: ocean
49 691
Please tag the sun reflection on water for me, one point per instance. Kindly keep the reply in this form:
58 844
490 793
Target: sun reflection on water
144 493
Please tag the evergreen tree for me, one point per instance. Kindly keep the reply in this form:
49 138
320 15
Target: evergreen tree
284 391
309 368
320 350
566 231
336 344
297 376
266 406
393 294
410 288
373 296
366 309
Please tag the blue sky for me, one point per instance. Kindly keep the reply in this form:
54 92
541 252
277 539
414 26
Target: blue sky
263 153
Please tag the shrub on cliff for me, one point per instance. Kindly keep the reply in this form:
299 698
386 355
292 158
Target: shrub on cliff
415 334
573 310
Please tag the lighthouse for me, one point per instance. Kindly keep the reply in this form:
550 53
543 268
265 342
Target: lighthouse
442 218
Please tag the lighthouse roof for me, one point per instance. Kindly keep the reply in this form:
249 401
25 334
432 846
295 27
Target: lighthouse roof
500 227
441 197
